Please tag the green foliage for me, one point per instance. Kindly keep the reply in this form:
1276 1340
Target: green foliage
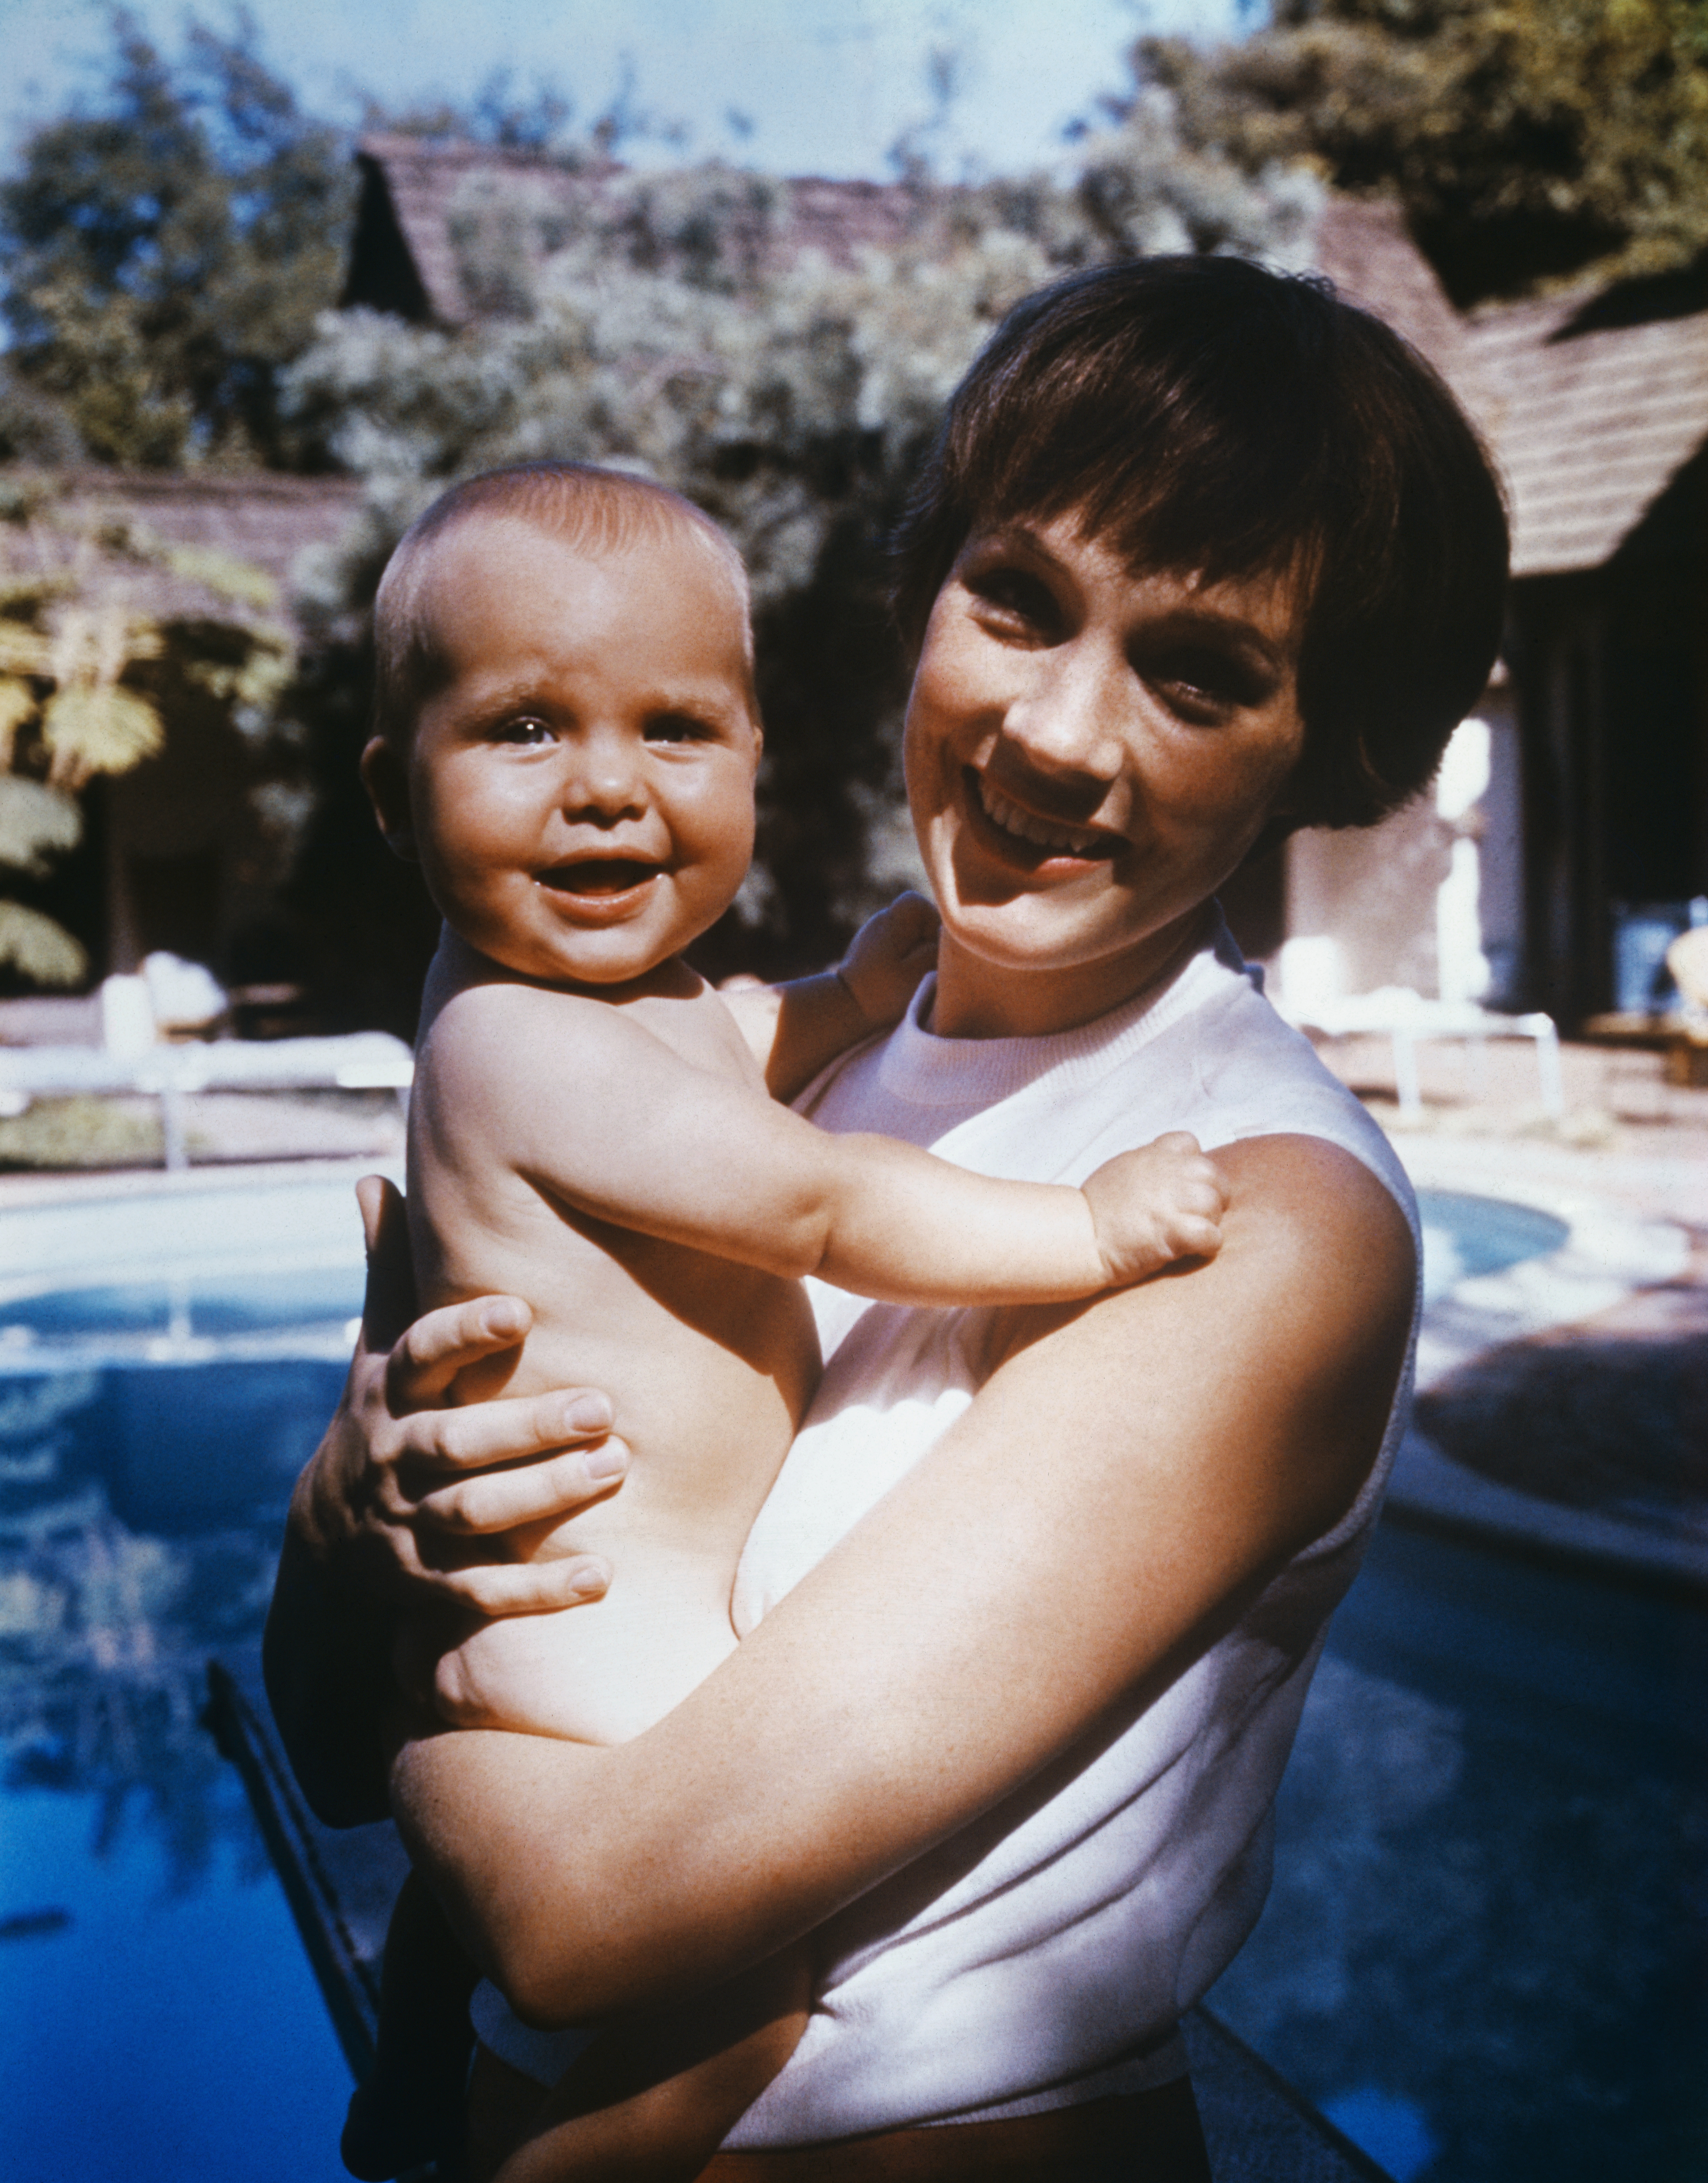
664 331
58 1133
38 949
96 652
37 822
1529 140
165 253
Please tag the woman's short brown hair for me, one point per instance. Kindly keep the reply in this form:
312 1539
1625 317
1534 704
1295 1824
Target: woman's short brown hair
1212 419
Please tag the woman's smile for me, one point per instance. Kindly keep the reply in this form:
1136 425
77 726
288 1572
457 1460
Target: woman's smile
1030 839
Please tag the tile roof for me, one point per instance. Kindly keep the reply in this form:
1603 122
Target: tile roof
1592 409
420 181
263 521
1592 423
1363 246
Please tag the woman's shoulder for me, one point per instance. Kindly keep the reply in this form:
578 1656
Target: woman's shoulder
1238 1070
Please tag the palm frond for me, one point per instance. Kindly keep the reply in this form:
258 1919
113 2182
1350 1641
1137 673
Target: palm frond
37 822
43 951
105 729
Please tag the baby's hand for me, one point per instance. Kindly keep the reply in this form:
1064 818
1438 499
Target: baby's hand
1162 1203
888 956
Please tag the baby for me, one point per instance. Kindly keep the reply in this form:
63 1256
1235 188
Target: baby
566 742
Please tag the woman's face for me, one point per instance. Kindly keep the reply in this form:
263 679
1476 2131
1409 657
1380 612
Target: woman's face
1089 754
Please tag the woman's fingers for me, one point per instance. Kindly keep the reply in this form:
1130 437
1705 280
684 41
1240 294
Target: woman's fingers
504 1588
437 1348
510 1429
488 1501
389 1303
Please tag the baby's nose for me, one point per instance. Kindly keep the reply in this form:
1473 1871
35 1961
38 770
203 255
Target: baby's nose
609 777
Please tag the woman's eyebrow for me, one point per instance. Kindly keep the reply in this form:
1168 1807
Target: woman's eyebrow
1232 631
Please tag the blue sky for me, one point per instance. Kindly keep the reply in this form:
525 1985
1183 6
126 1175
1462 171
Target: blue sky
826 85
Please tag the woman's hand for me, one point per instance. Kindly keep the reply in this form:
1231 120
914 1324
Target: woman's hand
888 956
403 1499
404 1504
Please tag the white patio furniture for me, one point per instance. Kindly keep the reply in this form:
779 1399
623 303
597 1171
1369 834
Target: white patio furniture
365 1060
1306 994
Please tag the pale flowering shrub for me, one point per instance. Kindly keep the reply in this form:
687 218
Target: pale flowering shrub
656 325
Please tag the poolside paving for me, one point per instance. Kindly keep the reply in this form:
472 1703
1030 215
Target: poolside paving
1584 1436
1579 1419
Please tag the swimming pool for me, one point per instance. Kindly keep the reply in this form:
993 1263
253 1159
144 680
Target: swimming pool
1475 1951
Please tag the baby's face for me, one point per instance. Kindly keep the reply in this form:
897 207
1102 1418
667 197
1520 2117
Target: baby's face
581 791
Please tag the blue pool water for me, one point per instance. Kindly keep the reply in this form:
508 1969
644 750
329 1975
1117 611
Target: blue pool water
1478 1956
157 2017
171 2027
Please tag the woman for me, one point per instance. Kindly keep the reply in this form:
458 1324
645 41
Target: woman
1201 555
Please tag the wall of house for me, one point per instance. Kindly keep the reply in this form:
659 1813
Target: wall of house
1612 669
1434 897
1372 891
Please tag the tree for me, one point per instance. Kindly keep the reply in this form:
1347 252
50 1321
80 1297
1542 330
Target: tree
1528 139
104 633
789 397
166 252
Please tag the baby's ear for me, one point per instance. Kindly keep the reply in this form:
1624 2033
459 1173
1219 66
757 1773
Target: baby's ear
386 778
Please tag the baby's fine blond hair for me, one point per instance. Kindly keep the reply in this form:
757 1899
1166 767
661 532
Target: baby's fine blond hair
599 511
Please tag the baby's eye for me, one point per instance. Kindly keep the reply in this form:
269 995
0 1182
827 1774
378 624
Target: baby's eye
678 728
530 733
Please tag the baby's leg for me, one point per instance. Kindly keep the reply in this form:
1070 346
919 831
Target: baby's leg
653 2098
408 2109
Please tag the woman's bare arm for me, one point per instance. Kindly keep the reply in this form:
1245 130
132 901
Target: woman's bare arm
1125 1480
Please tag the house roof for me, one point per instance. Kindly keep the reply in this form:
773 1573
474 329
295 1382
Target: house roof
1364 247
204 524
1591 413
409 193
1593 401
1592 420
409 188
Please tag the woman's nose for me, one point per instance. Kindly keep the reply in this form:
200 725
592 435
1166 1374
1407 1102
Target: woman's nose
607 779
1069 717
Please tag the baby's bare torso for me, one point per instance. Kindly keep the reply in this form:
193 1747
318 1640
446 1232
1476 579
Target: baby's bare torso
709 1365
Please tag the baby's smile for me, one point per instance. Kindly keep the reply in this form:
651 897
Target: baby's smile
602 876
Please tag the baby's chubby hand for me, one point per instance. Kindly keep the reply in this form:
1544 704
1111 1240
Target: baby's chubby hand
888 956
1149 1207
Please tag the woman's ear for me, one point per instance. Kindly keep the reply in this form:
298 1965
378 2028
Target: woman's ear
386 778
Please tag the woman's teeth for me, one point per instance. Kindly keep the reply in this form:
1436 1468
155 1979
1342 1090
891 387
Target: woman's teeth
1038 831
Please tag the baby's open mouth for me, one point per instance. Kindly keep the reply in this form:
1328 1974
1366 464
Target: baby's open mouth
598 876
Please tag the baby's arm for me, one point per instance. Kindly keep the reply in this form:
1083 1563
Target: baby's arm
694 1157
799 1028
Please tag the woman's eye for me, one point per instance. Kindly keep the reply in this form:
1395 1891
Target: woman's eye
1016 596
1199 685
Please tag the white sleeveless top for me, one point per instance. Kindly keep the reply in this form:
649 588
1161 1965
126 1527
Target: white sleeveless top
1043 1956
